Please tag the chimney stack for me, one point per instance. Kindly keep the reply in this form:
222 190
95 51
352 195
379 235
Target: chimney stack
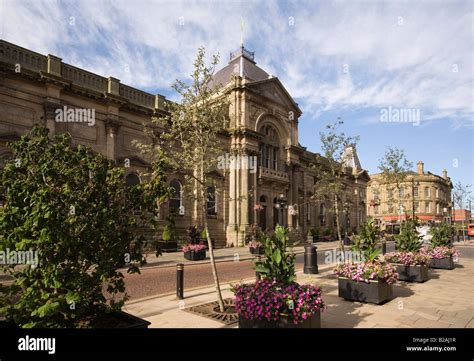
420 167
445 174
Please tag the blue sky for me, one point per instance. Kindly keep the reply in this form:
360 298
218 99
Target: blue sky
348 59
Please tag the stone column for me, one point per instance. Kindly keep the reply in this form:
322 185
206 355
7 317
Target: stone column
111 127
243 195
231 226
50 116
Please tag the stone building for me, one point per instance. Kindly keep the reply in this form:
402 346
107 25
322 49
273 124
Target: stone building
264 125
423 194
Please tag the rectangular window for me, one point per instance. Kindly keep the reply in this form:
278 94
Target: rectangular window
427 192
375 195
417 207
211 201
275 158
308 212
268 154
427 207
437 193
415 191
401 193
261 151
438 209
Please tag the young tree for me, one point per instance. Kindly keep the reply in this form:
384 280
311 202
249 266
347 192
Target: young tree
461 195
394 167
188 138
72 207
331 175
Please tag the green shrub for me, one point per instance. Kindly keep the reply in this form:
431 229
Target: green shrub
408 240
441 234
366 241
167 234
72 206
328 232
279 263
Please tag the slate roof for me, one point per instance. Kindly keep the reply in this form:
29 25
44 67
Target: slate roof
250 69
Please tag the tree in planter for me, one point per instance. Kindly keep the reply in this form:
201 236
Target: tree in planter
188 138
365 243
277 300
461 194
409 239
441 235
168 235
73 207
369 280
279 262
332 178
394 167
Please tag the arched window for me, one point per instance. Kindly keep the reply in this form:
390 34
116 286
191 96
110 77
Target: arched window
132 179
176 197
269 148
322 209
211 201
322 214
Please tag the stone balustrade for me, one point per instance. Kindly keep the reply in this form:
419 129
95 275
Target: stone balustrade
27 59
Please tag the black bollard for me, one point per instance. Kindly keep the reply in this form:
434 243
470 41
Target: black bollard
180 280
257 274
310 259
384 247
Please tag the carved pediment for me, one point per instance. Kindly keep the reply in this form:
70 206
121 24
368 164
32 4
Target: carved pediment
276 92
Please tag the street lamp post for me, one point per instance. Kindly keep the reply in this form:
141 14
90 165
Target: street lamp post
281 204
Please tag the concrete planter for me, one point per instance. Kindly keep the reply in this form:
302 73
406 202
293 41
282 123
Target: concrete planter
312 322
130 321
195 256
376 292
115 319
417 273
168 246
258 250
442 263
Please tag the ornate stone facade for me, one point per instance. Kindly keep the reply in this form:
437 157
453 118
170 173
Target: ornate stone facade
263 123
424 194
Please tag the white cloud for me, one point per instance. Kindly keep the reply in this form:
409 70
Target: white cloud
398 53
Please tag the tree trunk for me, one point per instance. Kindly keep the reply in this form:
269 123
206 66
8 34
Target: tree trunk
341 242
209 244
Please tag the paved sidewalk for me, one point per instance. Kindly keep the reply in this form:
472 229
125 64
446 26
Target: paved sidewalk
446 300
170 259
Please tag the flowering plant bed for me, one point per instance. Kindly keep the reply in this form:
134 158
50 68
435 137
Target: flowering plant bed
272 304
194 252
366 282
443 252
376 270
411 266
419 258
443 257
